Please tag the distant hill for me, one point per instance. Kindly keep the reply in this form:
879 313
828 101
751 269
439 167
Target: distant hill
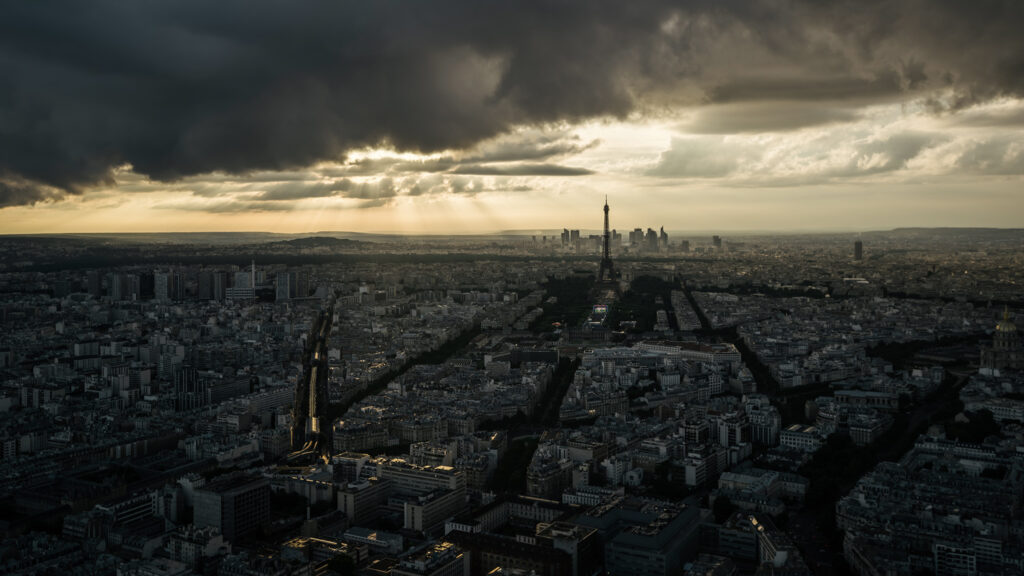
320 242
960 229
964 233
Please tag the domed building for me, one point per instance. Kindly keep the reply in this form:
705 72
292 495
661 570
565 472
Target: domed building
1006 351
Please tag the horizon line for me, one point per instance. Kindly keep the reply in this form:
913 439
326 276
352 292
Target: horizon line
519 231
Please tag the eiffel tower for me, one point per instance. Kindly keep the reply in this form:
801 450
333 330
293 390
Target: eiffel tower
607 271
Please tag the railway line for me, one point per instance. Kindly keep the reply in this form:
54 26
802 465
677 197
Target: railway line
310 406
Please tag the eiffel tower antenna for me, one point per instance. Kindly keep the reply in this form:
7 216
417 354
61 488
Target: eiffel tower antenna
607 271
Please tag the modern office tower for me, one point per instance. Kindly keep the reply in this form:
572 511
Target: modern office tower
651 240
565 236
177 286
162 286
290 285
204 288
129 286
716 240
94 283
636 237
117 289
114 291
243 279
662 239
574 239
684 245
301 284
238 505
169 286
858 250
244 287
220 285
146 286
133 284
284 286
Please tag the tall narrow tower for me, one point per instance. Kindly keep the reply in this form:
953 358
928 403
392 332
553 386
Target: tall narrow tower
252 279
607 271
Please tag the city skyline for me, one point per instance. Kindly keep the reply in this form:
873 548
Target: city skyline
468 119
561 288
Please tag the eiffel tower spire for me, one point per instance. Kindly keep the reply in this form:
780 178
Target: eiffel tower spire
607 271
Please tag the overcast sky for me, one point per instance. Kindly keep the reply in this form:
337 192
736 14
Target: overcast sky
477 116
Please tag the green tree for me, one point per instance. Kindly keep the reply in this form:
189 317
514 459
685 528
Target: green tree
342 564
723 508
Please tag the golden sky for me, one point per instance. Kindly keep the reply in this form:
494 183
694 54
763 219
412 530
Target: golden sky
892 166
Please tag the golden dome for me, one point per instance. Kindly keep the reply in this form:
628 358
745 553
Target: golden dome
1006 325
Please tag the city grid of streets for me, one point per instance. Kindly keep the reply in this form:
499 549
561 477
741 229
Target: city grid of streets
748 405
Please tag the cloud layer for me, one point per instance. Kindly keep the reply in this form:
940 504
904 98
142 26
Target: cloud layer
181 88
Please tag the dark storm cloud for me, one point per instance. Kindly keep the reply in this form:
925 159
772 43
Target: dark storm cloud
378 190
889 154
372 192
805 89
521 170
16 192
189 87
529 145
299 191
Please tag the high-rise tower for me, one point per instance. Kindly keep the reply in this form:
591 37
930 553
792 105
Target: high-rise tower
607 271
